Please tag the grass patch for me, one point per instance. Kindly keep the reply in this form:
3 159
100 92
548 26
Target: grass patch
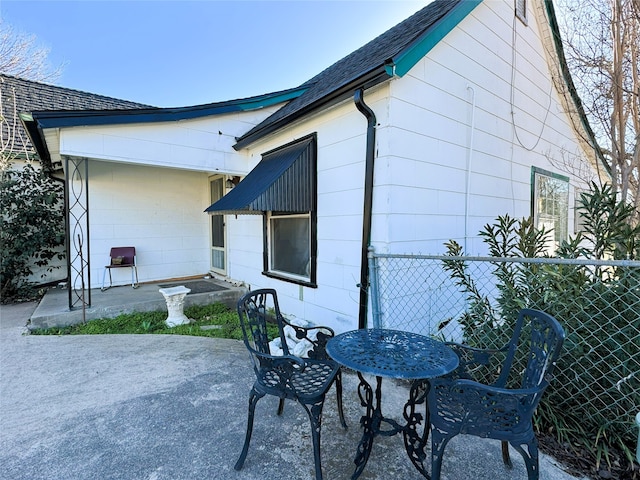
223 323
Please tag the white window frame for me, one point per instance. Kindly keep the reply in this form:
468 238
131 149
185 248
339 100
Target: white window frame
556 206
284 274
521 10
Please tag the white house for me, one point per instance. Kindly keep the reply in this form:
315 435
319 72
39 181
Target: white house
463 112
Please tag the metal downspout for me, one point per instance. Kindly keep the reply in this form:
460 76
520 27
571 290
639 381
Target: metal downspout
368 204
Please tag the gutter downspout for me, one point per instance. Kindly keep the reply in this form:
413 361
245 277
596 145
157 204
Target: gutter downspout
368 204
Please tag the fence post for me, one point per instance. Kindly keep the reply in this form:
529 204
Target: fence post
375 291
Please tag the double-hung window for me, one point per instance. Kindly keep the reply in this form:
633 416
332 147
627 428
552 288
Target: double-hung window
282 188
550 205
290 245
290 225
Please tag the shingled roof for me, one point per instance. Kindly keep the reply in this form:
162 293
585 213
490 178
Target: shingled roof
30 96
369 65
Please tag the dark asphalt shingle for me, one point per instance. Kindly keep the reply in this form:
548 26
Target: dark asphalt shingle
31 96
366 59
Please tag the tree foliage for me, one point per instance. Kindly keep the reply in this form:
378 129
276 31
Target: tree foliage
596 391
32 209
601 41
31 203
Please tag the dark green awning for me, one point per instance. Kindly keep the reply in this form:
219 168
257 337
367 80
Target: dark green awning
283 181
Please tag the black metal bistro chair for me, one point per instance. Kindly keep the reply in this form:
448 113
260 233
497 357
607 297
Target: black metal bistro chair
305 380
460 405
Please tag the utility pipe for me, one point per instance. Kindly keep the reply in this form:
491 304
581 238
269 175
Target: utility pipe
469 159
368 204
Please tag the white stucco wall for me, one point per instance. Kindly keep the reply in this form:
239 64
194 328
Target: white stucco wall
157 210
149 186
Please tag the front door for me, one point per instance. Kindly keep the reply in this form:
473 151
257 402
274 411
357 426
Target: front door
218 251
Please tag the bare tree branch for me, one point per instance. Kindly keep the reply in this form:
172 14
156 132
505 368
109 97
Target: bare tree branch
21 56
601 43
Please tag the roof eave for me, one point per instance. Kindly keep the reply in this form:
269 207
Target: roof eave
37 140
411 55
72 118
397 66
370 79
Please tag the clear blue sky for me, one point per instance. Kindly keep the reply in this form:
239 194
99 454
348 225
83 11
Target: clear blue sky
178 53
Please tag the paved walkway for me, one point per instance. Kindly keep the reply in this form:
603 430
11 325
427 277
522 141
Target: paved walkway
155 407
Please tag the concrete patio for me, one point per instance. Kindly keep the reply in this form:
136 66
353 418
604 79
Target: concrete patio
53 310
174 407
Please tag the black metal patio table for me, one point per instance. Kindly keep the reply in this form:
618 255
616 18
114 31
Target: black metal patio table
393 354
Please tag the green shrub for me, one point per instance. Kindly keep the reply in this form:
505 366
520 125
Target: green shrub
32 229
596 390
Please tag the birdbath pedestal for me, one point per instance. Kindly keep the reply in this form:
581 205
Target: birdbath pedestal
174 296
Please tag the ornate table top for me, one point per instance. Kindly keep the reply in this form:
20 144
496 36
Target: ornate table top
392 353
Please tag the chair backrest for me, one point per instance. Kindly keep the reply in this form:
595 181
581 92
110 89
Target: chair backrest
126 254
256 309
544 344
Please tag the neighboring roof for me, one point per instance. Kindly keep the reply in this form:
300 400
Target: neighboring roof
392 53
31 95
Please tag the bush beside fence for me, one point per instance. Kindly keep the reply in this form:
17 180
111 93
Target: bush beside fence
595 394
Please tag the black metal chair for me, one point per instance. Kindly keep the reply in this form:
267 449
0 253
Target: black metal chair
305 380
460 405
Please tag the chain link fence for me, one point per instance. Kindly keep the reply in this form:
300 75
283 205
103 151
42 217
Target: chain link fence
595 394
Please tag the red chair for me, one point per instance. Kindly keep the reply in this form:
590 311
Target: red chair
121 257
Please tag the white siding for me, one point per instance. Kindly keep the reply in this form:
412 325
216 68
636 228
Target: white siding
450 113
341 134
478 103
453 112
157 210
203 144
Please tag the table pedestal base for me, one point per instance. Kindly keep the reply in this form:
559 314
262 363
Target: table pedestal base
374 423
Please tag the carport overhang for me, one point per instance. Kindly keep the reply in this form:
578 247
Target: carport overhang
45 127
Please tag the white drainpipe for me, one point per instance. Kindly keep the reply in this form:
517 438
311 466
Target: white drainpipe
468 179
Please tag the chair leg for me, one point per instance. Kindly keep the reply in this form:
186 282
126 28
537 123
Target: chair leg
506 458
438 444
315 416
281 406
530 458
339 399
253 400
110 280
134 269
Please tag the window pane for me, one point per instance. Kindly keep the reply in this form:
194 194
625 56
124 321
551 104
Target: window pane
552 206
290 245
217 221
217 230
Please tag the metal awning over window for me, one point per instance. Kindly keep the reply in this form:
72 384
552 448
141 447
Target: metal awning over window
283 181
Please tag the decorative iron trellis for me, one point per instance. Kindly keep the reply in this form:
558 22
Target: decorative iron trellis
77 242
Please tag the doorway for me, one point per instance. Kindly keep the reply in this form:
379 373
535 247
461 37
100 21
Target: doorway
218 249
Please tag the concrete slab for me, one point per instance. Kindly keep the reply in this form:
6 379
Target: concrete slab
156 407
53 310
